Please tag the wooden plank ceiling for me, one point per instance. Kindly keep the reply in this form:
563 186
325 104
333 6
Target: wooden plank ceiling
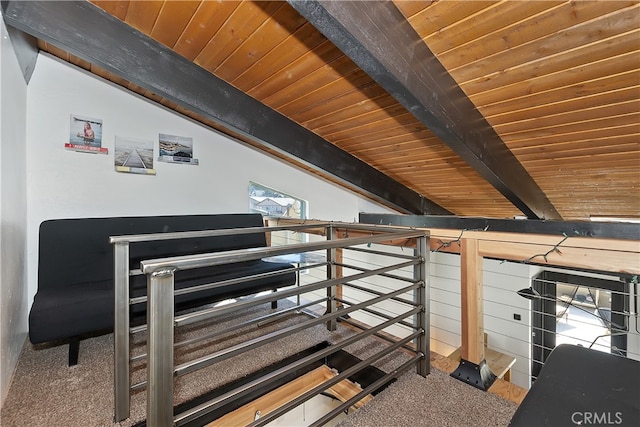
559 82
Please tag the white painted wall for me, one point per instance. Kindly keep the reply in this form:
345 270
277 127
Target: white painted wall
57 183
66 184
13 208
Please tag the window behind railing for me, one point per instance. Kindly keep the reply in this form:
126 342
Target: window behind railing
590 312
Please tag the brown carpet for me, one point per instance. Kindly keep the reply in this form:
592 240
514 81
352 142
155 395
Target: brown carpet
46 392
437 400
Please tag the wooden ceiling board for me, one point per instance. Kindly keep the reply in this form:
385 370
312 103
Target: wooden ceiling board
368 119
48 47
242 22
205 23
142 15
625 129
296 45
360 99
570 129
575 91
338 112
430 17
321 56
623 149
589 140
422 165
560 171
272 33
450 181
575 116
401 143
381 131
403 147
385 128
568 106
595 192
425 153
79 62
412 7
336 73
487 21
116 8
559 81
527 40
173 20
575 77
353 84
587 55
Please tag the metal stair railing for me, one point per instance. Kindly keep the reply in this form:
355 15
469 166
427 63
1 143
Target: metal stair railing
161 319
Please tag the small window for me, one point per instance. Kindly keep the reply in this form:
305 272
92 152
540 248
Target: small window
270 202
273 203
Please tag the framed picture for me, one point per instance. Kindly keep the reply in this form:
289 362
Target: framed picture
85 135
134 155
176 149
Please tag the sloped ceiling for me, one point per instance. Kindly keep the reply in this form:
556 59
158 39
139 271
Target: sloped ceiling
476 108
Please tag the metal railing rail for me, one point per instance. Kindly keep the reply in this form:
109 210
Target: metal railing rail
219 284
208 313
369 389
256 321
161 318
301 363
229 352
325 385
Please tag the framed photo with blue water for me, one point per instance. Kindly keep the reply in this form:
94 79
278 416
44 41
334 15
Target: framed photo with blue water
176 149
85 135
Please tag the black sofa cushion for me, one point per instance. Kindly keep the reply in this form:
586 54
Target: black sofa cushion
75 275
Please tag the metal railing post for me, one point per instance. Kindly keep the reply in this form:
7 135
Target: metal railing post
160 303
331 274
161 320
421 296
121 331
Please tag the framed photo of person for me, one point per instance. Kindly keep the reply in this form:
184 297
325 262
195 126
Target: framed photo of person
85 135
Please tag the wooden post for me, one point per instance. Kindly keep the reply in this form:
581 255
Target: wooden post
267 235
471 293
473 367
339 274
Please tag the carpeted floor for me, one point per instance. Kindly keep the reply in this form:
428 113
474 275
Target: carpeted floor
46 392
437 400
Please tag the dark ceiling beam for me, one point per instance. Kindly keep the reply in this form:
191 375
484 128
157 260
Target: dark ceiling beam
26 50
379 39
604 230
88 32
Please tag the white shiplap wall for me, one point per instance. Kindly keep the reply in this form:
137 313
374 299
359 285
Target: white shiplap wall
501 280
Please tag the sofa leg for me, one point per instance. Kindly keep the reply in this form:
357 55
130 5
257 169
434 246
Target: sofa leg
74 350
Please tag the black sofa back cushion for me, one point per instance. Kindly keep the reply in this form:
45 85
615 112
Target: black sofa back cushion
75 276
73 251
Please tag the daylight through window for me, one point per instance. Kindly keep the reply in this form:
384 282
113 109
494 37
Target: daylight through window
270 202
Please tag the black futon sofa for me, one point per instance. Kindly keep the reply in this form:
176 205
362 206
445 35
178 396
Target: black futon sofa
75 297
